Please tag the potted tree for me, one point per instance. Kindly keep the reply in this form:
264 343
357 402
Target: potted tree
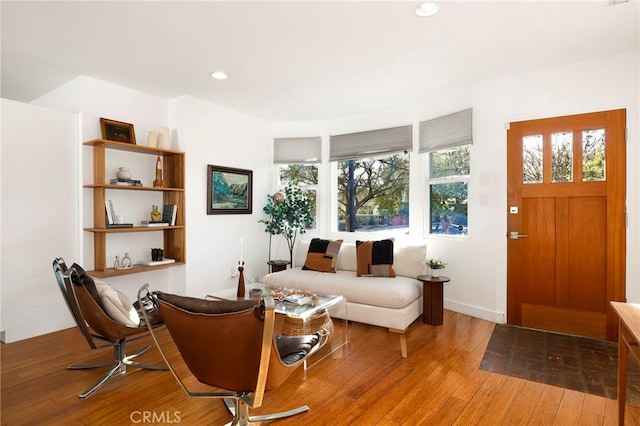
289 214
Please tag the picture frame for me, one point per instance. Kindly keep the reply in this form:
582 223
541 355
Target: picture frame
117 131
229 190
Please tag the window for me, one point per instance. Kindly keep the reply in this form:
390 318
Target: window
373 179
297 160
373 193
448 190
447 141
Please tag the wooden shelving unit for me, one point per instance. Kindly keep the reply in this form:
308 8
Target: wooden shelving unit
173 168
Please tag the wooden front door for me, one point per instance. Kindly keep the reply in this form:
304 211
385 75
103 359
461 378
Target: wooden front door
566 222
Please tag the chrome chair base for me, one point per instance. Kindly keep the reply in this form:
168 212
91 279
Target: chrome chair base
242 417
118 366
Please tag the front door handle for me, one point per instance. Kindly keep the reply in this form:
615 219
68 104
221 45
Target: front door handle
514 235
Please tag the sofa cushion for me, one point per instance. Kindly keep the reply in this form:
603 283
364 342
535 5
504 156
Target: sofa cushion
376 291
410 260
375 258
322 255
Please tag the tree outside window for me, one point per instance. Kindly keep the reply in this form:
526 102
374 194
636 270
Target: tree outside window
373 193
449 172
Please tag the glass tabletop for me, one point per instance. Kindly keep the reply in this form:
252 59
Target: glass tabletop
306 307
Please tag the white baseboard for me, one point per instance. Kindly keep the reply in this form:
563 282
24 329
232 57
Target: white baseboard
474 311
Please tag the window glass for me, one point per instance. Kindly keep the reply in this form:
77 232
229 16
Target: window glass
447 185
532 159
373 193
562 157
451 162
449 208
593 155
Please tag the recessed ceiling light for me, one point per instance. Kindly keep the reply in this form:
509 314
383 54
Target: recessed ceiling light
219 75
426 9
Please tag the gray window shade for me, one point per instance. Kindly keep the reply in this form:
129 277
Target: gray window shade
373 142
296 150
445 132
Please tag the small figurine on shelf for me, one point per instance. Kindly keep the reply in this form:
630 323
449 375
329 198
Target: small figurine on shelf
158 182
156 214
126 262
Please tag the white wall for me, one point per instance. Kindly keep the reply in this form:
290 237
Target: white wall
477 263
39 216
215 135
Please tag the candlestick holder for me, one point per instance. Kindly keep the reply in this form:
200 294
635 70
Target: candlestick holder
240 293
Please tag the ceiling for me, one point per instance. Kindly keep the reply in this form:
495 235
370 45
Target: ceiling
303 60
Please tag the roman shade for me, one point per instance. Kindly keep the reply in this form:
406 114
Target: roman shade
445 132
296 150
373 142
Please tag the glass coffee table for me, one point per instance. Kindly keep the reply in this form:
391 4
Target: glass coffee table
324 313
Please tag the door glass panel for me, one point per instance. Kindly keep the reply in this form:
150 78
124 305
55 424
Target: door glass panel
532 159
593 155
562 157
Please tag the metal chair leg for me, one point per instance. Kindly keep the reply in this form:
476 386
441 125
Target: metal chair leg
243 418
118 366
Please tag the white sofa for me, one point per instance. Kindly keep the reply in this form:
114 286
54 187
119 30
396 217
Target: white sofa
386 302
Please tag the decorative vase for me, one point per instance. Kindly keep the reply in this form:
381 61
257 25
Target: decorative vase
435 273
164 138
123 173
152 140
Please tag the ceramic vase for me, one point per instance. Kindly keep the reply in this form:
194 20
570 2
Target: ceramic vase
123 173
164 138
435 273
152 140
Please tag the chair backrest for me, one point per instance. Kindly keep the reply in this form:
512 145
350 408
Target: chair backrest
61 273
225 344
89 316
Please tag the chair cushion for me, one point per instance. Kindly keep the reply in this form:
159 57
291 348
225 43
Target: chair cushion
202 306
294 348
86 281
375 258
322 255
117 305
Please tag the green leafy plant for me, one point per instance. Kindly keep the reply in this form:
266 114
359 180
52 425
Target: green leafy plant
436 263
288 216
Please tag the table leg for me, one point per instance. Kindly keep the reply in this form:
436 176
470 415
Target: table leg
623 353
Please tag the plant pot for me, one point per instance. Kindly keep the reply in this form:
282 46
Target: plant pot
435 273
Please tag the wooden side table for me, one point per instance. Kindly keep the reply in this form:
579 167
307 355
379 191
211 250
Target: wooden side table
278 265
432 298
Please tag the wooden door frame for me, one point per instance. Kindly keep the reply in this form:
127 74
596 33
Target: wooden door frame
616 206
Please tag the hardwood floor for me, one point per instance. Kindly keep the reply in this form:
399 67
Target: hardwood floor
440 383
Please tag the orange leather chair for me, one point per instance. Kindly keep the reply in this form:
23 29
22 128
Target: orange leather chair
98 328
230 345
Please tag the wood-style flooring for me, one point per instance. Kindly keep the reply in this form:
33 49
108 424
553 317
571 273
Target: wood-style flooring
440 383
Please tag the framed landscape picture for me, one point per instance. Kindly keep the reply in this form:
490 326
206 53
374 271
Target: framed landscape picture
229 190
117 131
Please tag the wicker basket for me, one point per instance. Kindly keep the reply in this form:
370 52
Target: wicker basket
320 322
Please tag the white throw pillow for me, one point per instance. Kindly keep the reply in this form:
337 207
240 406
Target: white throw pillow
117 305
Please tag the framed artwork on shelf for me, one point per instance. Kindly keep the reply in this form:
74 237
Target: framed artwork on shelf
117 131
229 190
